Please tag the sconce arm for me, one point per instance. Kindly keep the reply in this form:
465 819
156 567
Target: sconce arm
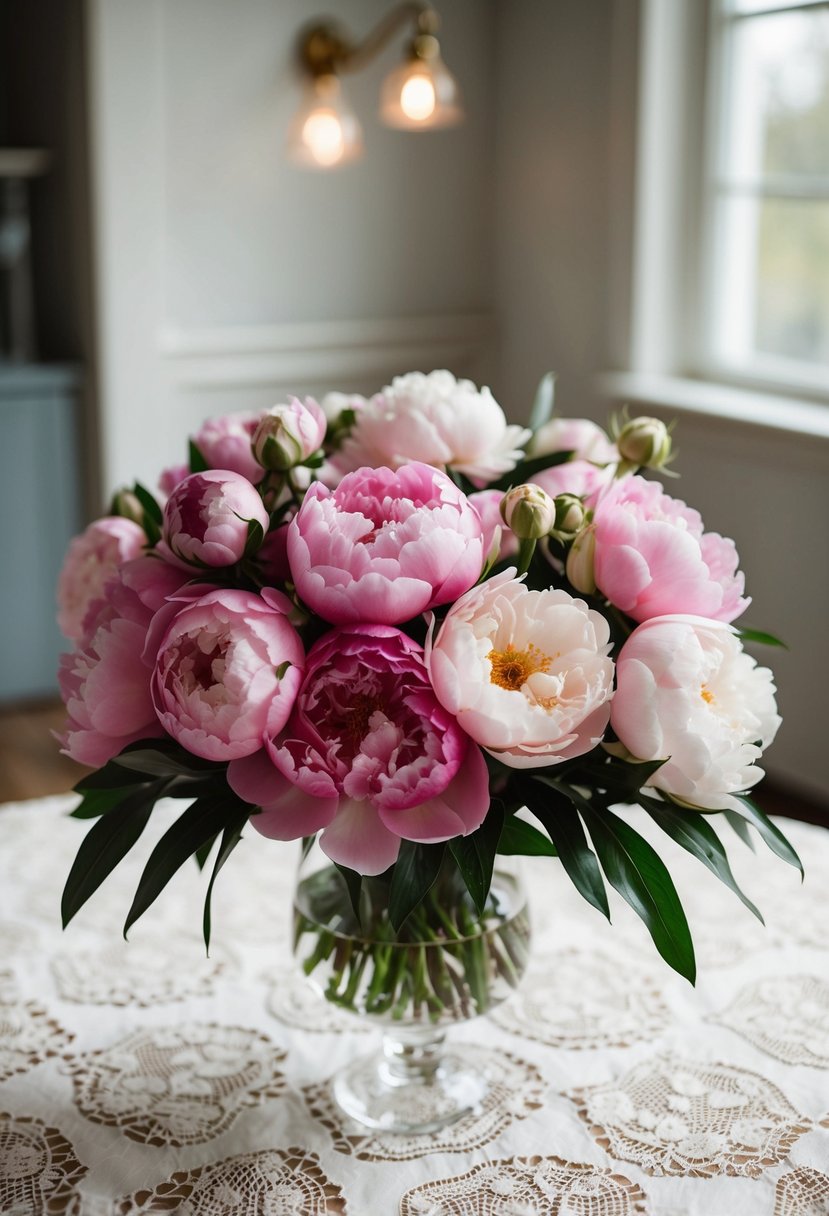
325 48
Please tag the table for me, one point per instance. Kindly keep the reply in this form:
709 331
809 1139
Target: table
145 1077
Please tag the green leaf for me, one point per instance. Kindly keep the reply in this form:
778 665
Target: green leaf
155 761
757 635
98 802
521 838
281 669
527 468
107 843
354 885
203 852
694 833
558 815
151 508
111 777
414 874
230 838
740 827
475 856
198 464
256 535
545 398
635 870
202 821
623 778
770 833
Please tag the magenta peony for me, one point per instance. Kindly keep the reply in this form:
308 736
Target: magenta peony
652 557
92 558
526 673
228 668
206 518
689 694
384 546
375 755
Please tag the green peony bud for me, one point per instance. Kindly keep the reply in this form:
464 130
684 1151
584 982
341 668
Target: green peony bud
529 511
570 515
645 443
579 566
126 505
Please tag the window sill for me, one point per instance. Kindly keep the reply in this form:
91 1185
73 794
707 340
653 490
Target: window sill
790 416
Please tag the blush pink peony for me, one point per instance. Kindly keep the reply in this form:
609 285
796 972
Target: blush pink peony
92 558
488 505
105 684
689 694
578 477
437 420
377 759
652 557
288 434
583 438
225 443
526 673
384 546
227 670
206 518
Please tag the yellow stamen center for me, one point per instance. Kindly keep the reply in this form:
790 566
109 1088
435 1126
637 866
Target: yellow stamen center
512 668
706 694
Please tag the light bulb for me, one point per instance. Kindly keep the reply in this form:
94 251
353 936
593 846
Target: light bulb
417 98
322 135
325 132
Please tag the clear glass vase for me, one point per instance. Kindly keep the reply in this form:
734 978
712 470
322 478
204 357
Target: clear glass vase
447 964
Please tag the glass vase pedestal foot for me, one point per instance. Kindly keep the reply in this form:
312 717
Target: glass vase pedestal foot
414 1086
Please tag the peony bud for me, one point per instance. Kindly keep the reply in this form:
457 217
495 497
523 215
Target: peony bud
570 515
529 511
126 506
579 565
288 434
645 443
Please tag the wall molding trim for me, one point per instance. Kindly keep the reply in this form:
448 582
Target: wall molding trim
323 352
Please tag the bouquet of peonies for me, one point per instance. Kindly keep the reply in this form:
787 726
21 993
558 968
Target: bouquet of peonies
424 637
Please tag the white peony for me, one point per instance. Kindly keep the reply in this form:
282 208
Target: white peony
438 420
526 673
688 693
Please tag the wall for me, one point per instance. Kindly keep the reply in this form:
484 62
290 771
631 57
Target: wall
227 276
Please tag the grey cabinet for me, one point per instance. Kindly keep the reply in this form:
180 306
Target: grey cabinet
40 512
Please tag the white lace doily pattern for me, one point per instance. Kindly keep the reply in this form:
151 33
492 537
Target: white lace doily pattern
145 1079
803 1192
39 1170
672 1116
528 1185
270 1183
585 1003
177 1086
516 1090
785 1015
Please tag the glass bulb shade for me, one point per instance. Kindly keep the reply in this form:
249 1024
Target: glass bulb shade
421 95
325 132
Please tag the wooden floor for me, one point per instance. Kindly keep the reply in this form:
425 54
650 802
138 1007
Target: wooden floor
31 765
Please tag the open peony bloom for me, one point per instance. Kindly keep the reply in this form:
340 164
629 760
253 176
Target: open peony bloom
105 684
384 546
688 693
206 518
526 673
438 420
652 557
92 558
369 755
221 685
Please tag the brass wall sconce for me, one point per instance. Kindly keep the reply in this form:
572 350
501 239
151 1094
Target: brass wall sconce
417 95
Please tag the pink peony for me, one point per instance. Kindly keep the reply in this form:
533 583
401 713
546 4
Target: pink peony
206 518
384 546
105 684
573 477
437 420
583 438
526 673
219 686
688 694
92 558
652 557
225 443
288 434
488 505
172 477
373 755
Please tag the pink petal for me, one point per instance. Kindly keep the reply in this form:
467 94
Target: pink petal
358 839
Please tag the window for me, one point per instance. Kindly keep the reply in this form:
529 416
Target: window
765 289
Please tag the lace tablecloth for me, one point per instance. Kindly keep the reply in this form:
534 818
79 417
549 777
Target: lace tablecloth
144 1077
